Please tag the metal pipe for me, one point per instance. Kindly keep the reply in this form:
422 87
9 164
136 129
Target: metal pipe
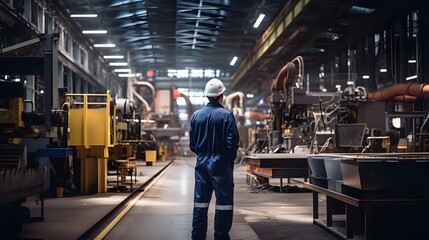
142 100
404 98
402 89
229 100
257 115
300 61
287 74
148 84
283 77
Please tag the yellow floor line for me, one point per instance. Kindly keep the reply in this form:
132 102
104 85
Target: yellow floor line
130 204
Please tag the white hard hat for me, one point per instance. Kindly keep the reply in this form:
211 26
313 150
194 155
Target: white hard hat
214 88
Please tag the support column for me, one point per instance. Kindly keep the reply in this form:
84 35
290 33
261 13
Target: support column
77 84
102 175
30 92
423 53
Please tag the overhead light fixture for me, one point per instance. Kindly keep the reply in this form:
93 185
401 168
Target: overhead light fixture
365 76
122 70
194 41
412 61
233 61
113 57
104 45
411 77
259 20
118 64
383 70
94 31
83 15
126 75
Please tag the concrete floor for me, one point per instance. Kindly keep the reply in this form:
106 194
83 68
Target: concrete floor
165 211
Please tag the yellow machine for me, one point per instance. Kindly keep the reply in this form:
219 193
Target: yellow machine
92 130
12 114
105 133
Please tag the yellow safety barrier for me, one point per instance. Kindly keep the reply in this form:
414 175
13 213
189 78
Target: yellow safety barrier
92 130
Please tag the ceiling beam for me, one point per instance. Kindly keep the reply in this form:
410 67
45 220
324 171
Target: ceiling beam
273 32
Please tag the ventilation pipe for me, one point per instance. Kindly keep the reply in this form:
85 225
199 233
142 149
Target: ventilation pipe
148 108
284 78
404 92
147 84
231 103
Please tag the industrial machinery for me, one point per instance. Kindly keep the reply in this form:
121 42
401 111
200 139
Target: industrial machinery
123 157
102 130
312 122
303 123
28 138
20 176
164 124
294 112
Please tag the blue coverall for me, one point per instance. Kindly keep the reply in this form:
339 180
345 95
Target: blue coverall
214 137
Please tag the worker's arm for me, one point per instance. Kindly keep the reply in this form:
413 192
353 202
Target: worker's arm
191 136
232 137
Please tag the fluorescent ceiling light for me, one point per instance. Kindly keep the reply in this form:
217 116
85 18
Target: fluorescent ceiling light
106 45
122 70
259 20
83 15
194 41
126 75
383 70
411 77
118 64
113 57
365 76
412 61
94 31
233 61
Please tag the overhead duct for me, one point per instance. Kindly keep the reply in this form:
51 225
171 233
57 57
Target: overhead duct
404 92
284 78
404 98
235 101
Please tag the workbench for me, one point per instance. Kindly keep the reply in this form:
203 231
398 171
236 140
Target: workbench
401 216
277 165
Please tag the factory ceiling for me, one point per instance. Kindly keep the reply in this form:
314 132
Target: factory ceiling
176 34
206 34
158 35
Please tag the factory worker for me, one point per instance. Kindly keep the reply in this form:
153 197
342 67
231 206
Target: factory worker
214 138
